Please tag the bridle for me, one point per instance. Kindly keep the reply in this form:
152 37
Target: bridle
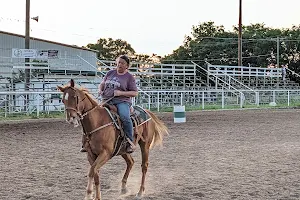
81 115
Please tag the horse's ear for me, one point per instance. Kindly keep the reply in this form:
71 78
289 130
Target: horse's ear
61 88
72 83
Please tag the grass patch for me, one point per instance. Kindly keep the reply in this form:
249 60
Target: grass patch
21 116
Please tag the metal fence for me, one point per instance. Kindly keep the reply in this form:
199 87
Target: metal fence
14 103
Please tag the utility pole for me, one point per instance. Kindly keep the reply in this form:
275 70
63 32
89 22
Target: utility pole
278 40
240 36
27 41
27 46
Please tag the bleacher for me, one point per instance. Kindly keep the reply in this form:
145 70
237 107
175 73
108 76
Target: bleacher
253 77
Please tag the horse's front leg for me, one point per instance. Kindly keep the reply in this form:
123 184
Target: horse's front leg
94 174
97 186
89 195
129 161
145 163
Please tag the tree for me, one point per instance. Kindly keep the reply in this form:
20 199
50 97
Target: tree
208 42
212 43
109 49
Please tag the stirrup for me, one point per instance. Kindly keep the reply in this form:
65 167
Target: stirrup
130 146
131 143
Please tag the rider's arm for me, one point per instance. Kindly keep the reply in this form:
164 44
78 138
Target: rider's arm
126 93
101 87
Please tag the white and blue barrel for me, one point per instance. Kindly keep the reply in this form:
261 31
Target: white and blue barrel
179 114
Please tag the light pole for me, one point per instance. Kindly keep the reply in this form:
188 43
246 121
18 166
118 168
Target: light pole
240 36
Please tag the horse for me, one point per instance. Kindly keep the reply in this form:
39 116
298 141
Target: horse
101 136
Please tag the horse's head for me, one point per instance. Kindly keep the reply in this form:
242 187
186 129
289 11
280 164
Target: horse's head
73 100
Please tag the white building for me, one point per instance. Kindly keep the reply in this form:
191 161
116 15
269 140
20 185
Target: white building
71 61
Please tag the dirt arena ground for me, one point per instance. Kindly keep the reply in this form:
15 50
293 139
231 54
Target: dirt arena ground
250 154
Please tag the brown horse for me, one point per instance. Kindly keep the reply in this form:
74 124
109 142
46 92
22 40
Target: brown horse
102 135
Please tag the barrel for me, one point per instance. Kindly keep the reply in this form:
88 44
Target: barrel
179 114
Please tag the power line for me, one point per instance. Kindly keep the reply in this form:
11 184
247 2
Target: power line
251 39
232 58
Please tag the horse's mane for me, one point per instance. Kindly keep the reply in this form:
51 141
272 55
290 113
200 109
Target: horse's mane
85 91
89 96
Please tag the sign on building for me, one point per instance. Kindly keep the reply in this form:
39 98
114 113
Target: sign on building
34 53
24 53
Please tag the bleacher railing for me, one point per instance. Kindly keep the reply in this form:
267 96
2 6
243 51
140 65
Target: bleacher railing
242 71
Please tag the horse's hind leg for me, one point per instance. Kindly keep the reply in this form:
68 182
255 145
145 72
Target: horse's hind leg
145 162
129 161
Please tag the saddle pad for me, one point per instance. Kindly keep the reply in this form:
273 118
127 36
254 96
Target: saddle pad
141 113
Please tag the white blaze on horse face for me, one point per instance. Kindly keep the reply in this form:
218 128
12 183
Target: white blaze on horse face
66 96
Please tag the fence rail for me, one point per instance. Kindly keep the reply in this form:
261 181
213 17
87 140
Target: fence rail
14 103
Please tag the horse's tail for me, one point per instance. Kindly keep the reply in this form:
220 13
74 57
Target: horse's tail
160 130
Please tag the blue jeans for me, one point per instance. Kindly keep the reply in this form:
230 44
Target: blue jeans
124 112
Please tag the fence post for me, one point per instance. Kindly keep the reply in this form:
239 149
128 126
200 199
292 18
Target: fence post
241 100
203 100
38 107
157 101
223 99
181 99
274 96
257 98
149 103
6 107
288 100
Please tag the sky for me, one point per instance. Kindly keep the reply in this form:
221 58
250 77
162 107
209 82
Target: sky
151 27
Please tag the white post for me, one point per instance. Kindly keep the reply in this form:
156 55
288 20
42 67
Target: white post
38 106
181 99
203 100
149 102
157 101
223 99
241 99
6 107
288 100
257 98
274 96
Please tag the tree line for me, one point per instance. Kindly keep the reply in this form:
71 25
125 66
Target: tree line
212 43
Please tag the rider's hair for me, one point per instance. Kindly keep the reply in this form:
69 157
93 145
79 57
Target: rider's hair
125 58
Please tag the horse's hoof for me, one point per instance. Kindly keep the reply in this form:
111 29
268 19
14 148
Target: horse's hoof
138 197
124 190
89 198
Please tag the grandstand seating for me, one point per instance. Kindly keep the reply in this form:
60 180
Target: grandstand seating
156 76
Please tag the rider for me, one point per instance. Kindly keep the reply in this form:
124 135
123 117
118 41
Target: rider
120 85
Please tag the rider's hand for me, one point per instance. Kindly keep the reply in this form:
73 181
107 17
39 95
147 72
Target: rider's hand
100 93
117 93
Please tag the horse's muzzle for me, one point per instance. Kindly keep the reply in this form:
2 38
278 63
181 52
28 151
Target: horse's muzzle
73 120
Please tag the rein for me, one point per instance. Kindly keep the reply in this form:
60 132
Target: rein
100 105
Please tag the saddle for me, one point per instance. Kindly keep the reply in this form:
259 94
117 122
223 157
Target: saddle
138 117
